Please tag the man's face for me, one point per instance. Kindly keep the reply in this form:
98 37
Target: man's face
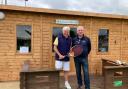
80 31
66 33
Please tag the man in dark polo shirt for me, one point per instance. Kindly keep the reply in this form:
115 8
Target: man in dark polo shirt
62 46
81 61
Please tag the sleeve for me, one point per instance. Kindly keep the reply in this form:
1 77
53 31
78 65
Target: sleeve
89 46
56 41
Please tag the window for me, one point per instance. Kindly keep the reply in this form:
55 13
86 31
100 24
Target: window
58 30
103 40
73 32
23 34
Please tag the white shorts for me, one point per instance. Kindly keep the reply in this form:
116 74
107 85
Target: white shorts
62 65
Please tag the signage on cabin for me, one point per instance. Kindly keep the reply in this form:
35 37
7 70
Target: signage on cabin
60 21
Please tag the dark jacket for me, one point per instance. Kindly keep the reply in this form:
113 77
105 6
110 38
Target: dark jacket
85 42
63 47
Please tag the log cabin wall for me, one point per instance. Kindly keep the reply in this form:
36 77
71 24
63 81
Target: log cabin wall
42 24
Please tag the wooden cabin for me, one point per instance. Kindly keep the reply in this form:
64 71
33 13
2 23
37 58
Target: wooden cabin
27 33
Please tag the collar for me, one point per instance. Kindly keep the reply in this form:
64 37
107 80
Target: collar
81 37
64 36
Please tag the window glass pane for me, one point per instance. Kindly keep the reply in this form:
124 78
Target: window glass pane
73 32
23 33
103 40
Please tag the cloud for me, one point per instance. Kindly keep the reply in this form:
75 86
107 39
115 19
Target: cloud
99 6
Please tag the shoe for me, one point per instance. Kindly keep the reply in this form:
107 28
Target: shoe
79 87
67 85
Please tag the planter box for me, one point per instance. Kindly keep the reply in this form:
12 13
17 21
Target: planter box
39 79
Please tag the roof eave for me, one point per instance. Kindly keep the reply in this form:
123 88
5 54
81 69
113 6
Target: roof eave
64 12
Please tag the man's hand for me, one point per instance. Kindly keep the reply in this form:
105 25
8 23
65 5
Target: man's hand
61 56
71 54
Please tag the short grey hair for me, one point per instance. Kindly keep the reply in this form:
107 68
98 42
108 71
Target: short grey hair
66 28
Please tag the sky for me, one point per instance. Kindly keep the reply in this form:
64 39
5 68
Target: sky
119 7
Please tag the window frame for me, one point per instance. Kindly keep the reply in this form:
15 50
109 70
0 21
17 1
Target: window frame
16 52
99 52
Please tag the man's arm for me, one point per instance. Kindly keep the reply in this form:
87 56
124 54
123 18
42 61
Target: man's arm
89 46
56 49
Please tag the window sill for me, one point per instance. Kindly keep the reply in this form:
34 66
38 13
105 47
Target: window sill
23 53
102 53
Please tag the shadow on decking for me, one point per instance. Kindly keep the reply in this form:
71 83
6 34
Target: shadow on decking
96 82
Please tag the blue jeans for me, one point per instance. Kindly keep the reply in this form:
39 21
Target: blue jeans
82 62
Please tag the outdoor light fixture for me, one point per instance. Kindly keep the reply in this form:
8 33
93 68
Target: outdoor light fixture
2 15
